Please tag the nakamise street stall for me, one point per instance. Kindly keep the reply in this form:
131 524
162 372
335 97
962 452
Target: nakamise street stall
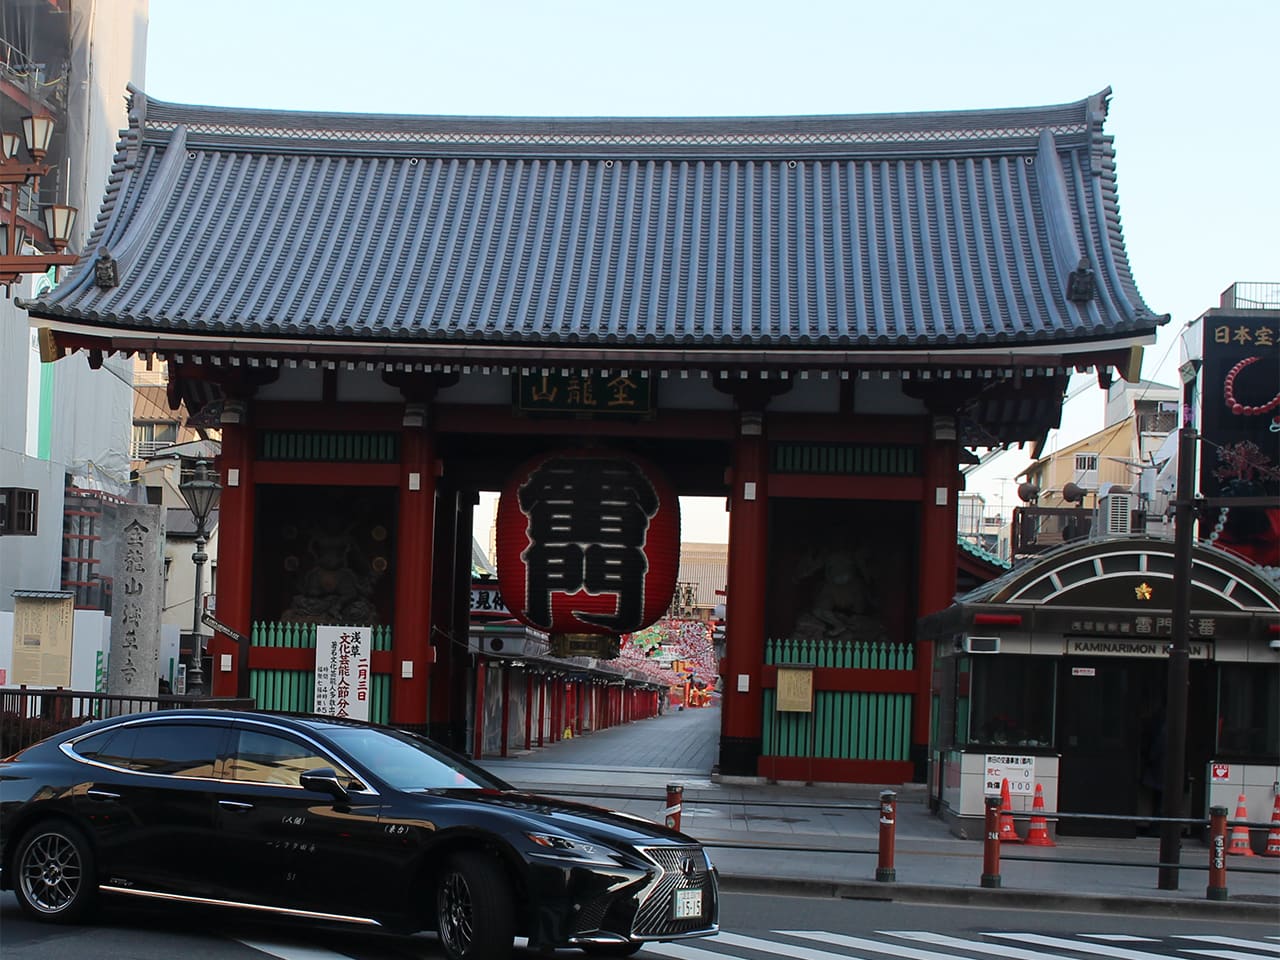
1055 674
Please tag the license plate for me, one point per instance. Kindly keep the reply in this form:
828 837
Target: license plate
688 904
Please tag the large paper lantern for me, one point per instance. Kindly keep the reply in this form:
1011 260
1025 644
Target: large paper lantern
588 543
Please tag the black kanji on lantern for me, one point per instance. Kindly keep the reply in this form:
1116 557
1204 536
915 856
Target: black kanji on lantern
587 523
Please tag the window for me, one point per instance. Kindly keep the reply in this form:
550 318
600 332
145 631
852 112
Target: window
268 758
174 749
1086 462
1010 701
18 510
1248 703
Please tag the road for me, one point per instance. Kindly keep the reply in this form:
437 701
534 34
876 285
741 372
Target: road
754 927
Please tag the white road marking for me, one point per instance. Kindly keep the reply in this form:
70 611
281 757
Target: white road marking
1233 942
287 951
987 949
1109 950
1222 954
682 951
1119 937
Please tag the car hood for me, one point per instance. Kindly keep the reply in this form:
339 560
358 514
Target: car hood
579 819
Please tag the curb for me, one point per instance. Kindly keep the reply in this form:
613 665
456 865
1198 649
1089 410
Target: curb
1176 907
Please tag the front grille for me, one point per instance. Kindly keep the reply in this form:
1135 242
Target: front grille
654 916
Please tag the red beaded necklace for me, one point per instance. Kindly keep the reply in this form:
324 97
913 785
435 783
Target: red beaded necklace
1229 393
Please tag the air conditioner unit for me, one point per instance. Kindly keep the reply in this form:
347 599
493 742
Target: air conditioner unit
1115 513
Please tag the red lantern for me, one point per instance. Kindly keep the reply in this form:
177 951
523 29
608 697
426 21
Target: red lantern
588 543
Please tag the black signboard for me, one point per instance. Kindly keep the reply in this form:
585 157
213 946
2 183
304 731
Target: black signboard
1240 427
625 395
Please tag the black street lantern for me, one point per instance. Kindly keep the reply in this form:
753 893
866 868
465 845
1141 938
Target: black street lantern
200 489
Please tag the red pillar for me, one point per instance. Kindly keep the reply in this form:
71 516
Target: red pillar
542 701
411 650
477 742
506 705
236 507
742 722
937 576
528 711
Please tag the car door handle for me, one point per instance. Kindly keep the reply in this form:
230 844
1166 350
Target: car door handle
235 806
101 795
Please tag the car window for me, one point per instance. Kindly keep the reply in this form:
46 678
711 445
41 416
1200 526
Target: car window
175 749
269 758
409 763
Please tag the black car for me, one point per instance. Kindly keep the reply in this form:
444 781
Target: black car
335 820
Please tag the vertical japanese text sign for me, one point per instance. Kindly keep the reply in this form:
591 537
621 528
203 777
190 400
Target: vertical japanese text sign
343 673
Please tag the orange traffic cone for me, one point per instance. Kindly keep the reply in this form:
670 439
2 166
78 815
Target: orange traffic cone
1008 832
1038 834
1273 838
1239 843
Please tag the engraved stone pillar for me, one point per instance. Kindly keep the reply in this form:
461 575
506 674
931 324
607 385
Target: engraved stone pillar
133 665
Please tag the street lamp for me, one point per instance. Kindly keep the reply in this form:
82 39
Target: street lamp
200 489
37 131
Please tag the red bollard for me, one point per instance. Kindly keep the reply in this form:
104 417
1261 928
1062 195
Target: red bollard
674 794
991 845
888 818
1217 889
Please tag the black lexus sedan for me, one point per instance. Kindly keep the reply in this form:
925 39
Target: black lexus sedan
335 820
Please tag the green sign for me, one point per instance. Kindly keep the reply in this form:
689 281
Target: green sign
622 395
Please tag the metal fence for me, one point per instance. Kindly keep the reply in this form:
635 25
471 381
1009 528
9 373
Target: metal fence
29 715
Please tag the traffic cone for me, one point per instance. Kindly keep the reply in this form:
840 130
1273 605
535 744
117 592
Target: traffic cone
1239 843
1038 834
1008 832
1273 838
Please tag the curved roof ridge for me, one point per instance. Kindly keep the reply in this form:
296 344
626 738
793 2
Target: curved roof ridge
235 124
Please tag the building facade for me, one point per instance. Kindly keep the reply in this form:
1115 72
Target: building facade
809 317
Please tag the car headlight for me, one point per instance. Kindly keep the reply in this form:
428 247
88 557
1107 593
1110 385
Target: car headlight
567 848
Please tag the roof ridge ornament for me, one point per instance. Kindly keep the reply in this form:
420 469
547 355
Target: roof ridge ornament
106 270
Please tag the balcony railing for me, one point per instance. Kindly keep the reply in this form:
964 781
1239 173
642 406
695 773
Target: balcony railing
1251 296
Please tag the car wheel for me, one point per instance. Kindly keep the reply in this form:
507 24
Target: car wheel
611 949
475 909
55 873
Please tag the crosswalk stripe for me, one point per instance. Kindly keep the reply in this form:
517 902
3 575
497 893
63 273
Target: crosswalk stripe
1233 942
682 951
1119 937
787 949
893 949
1107 950
288 951
988 949
1222 954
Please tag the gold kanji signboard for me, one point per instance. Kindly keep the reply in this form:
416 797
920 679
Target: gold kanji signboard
626 394
795 689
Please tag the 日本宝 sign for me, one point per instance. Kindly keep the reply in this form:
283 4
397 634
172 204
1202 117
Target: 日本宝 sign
343 671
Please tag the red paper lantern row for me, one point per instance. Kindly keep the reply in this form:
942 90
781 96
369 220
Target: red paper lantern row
588 542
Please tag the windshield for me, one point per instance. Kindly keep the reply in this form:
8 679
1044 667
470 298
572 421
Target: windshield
407 762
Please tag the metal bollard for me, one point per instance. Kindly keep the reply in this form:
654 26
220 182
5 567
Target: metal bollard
991 845
1217 889
674 794
888 819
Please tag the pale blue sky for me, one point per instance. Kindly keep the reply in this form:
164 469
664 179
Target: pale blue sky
1194 112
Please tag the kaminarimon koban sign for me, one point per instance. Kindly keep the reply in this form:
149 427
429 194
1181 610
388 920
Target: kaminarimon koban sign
588 547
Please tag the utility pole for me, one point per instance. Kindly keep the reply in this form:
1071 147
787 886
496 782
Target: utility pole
1174 805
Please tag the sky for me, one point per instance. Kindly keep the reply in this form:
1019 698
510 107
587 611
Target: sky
1193 113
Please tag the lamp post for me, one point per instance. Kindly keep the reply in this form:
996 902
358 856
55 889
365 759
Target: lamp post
37 131
200 489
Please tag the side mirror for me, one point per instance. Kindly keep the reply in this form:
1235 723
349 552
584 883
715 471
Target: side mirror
324 780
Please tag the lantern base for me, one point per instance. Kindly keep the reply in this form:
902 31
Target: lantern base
602 646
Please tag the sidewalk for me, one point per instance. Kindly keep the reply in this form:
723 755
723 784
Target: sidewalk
823 839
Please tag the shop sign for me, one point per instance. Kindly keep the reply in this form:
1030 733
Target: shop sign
486 601
1084 672
1020 771
1090 647
1141 626
625 395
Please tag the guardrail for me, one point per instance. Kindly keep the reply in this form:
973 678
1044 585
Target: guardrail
29 715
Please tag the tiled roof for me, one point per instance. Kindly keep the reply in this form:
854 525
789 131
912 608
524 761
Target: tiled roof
902 231
986 556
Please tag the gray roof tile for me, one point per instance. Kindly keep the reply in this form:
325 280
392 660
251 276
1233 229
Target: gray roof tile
895 231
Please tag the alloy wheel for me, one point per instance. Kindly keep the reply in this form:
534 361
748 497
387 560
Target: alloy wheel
456 914
51 873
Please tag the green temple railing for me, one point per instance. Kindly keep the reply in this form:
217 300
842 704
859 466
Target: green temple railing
851 654
294 690
844 725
